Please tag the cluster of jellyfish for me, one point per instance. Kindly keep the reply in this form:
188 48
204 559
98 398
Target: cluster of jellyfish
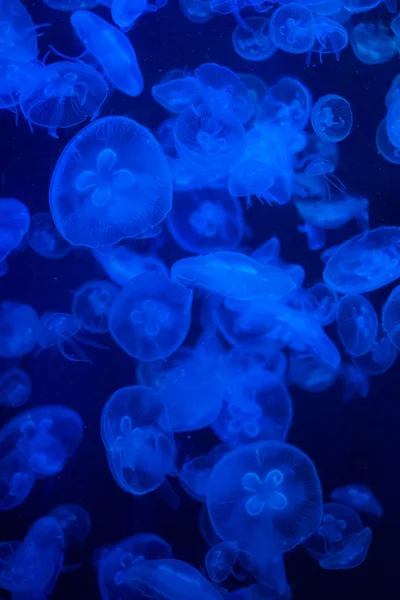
228 140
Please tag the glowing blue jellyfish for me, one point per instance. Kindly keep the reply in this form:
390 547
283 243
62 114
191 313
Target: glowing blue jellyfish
112 181
122 264
358 496
257 89
18 33
380 358
44 239
151 316
331 118
385 147
220 561
196 11
394 91
195 473
227 7
252 178
16 478
206 220
15 78
15 388
335 212
291 28
233 275
288 102
357 324
269 571
352 554
136 435
74 521
310 373
14 223
175 94
330 37
113 50
266 497
252 41
19 327
125 12
373 43
92 304
355 381
365 262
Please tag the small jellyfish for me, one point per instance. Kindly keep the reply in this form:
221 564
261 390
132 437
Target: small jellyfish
266 496
252 41
288 102
331 118
380 358
44 239
151 316
322 167
196 11
220 560
14 223
92 304
195 473
385 147
330 37
112 181
19 328
136 435
393 123
357 324
18 40
291 28
320 302
358 496
74 521
15 388
16 478
372 43
311 374
122 264
175 94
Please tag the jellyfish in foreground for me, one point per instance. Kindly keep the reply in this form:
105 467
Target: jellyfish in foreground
358 496
92 304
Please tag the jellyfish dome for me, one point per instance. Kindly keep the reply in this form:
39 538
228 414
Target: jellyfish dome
252 41
291 28
18 39
111 182
92 304
74 521
266 497
44 239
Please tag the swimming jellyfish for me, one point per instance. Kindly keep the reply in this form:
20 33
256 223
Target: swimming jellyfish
15 388
18 40
74 521
44 239
92 304
220 561
14 223
291 28
253 41
19 328
358 496
332 118
357 324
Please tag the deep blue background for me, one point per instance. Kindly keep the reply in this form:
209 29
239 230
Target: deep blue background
357 442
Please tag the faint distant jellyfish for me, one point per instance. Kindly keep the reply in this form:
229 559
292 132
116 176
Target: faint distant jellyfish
291 28
288 102
320 302
14 223
71 5
196 11
16 479
385 147
125 12
257 89
74 521
331 118
112 181
380 358
92 304
310 374
393 93
195 473
19 328
151 316
122 264
15 78
322 167
220 561
44 239
15 388
17 32
391 317
357 324
252 178
358 496
266 496
253 42
373 43
175 94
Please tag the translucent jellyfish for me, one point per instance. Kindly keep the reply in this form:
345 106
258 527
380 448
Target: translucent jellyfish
252 41
355 382
15 388
365 262
353 553
385 147
257 89
92 304
196 11
175 94
206 220
266 497
125 12
394 91
357 324
220 561
320 302
195 473
233 275
380 358
227 7
393 123
19 328
15 78
44 239
331 118
16 478
151 316
122 264
17 32
373 43
112 181
269 571
74 521
252 178
291 28
288 102
136 435
391 317
330 37
360 6
335 212
358 496
113 50
14 223
311 374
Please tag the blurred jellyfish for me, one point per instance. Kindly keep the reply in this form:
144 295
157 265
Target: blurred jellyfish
330 37
15 388
288 102
252 41
14 223
380 358
311 374
18 32
196 11
372 43
19 328
357 324
16 476
92 304
385 147
358 496
331 118
74 521
175 94
220 561
44 239
122 264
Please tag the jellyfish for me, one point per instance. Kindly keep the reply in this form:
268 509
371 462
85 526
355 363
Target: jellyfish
252 41
175 94
15 388
151 316
380 358
385 147
287 102
257 89
331 118
357 324
196 11
291 28
138 441
195 473
355 381
92 304
220 561
269 571
206 220
365 262
112 181
113 50
74 521
330 37
64 94
18 39
373 43
252 178
44 239
266 497
322 167
353 553
126 12
320 302
122 264
19 328
311 374
16 478
14 223
15 78
358 496
394 91
334 212
227 7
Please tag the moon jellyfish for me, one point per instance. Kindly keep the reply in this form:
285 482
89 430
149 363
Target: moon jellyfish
15 388
311 374
175 94
74 521
220 561
320 302
112 181
125 12
15 78
19 328
365 262
355 381
357 324
16 478
288 102
266 497
253 41
14 223
18 33
195 473
380 358
291 28
196 11
205 220
136 435
335 212
373 43
331 118
358 496
269 571
92 304
122 264
44 239
151 316
112 48
330 37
